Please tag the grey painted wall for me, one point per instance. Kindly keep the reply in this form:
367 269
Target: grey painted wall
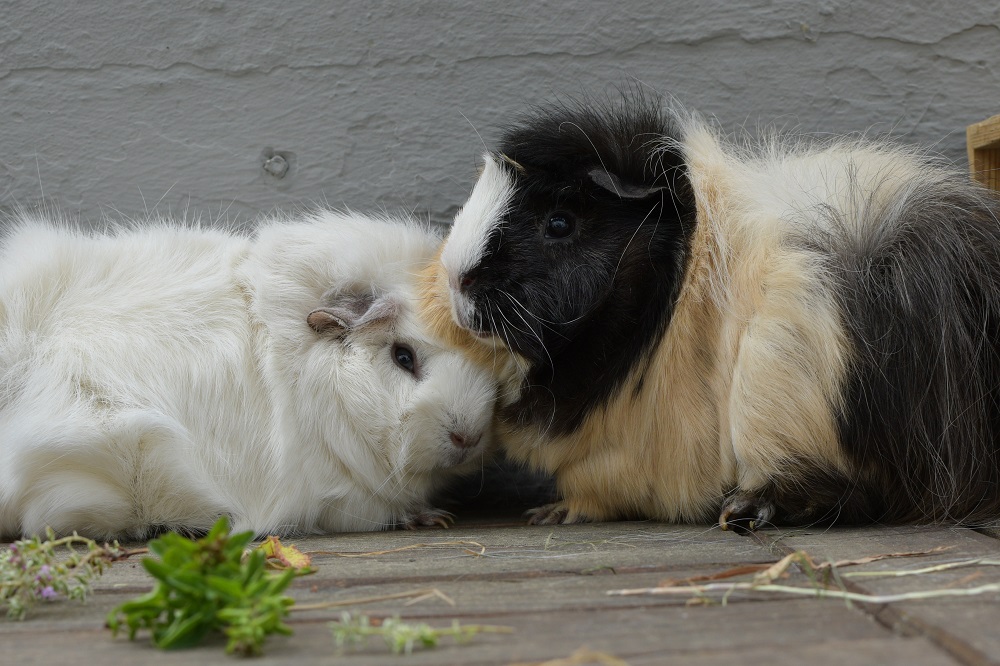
126 105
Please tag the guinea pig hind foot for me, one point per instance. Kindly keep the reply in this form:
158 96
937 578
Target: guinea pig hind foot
745 512
428 517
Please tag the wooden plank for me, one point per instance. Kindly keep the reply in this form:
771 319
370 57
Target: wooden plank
965 627
540 635
550 585
843 543
983 142
984 134
472 599
831 653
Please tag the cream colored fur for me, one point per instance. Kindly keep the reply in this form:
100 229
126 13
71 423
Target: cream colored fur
746 384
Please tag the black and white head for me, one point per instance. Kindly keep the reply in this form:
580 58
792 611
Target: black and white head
571 249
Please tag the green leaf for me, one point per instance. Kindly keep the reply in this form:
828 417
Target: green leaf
185 633
188 582
239 542
156 568
203 586
231 590
219 530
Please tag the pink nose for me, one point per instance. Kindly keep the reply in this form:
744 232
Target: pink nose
464 441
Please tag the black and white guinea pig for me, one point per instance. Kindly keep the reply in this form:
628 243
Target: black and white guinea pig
159 376
783 332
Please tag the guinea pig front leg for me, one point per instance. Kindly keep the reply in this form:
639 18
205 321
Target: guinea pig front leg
592 487
805 496
745 511
786 386
579 494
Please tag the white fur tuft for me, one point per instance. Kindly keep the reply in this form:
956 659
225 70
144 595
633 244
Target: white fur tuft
474 224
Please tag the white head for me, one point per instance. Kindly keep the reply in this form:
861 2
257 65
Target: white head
423 409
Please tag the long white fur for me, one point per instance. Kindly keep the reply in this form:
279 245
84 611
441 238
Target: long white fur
482 213
163 376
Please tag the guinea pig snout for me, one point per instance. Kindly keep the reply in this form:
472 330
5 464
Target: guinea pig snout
463 287
464 440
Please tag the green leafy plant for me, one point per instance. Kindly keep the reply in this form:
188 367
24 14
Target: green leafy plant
207 586
401 637
50 569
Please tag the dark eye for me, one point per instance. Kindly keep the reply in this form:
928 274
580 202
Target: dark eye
559 225
404 357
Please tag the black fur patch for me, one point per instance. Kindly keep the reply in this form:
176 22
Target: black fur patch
810 495
920 292
586 308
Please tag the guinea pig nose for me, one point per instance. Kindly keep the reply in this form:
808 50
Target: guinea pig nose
464 441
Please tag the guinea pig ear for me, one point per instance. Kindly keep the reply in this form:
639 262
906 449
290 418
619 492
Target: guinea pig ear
511 161
329 320
606 180
348 312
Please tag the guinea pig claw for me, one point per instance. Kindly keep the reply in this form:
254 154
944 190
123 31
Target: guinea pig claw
744 513
429 517
557 513
548 514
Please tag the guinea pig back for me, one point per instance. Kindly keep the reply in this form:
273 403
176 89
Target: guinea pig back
773 332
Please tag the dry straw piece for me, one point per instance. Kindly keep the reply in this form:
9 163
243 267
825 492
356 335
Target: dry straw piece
823 576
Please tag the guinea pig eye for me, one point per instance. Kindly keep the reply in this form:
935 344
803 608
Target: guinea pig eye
404 357
559 225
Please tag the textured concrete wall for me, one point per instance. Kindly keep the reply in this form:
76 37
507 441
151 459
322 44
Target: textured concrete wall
133 104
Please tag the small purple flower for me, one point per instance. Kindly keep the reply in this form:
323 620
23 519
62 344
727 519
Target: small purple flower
48 593
44 572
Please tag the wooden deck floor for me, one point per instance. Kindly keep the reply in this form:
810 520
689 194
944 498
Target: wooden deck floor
550 585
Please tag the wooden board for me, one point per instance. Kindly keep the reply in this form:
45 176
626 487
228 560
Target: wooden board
966 627
550 585
983 141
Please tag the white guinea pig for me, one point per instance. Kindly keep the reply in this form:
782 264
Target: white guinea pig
159 376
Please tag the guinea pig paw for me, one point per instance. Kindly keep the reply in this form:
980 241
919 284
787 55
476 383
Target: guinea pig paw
557 513
745 512
429 517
